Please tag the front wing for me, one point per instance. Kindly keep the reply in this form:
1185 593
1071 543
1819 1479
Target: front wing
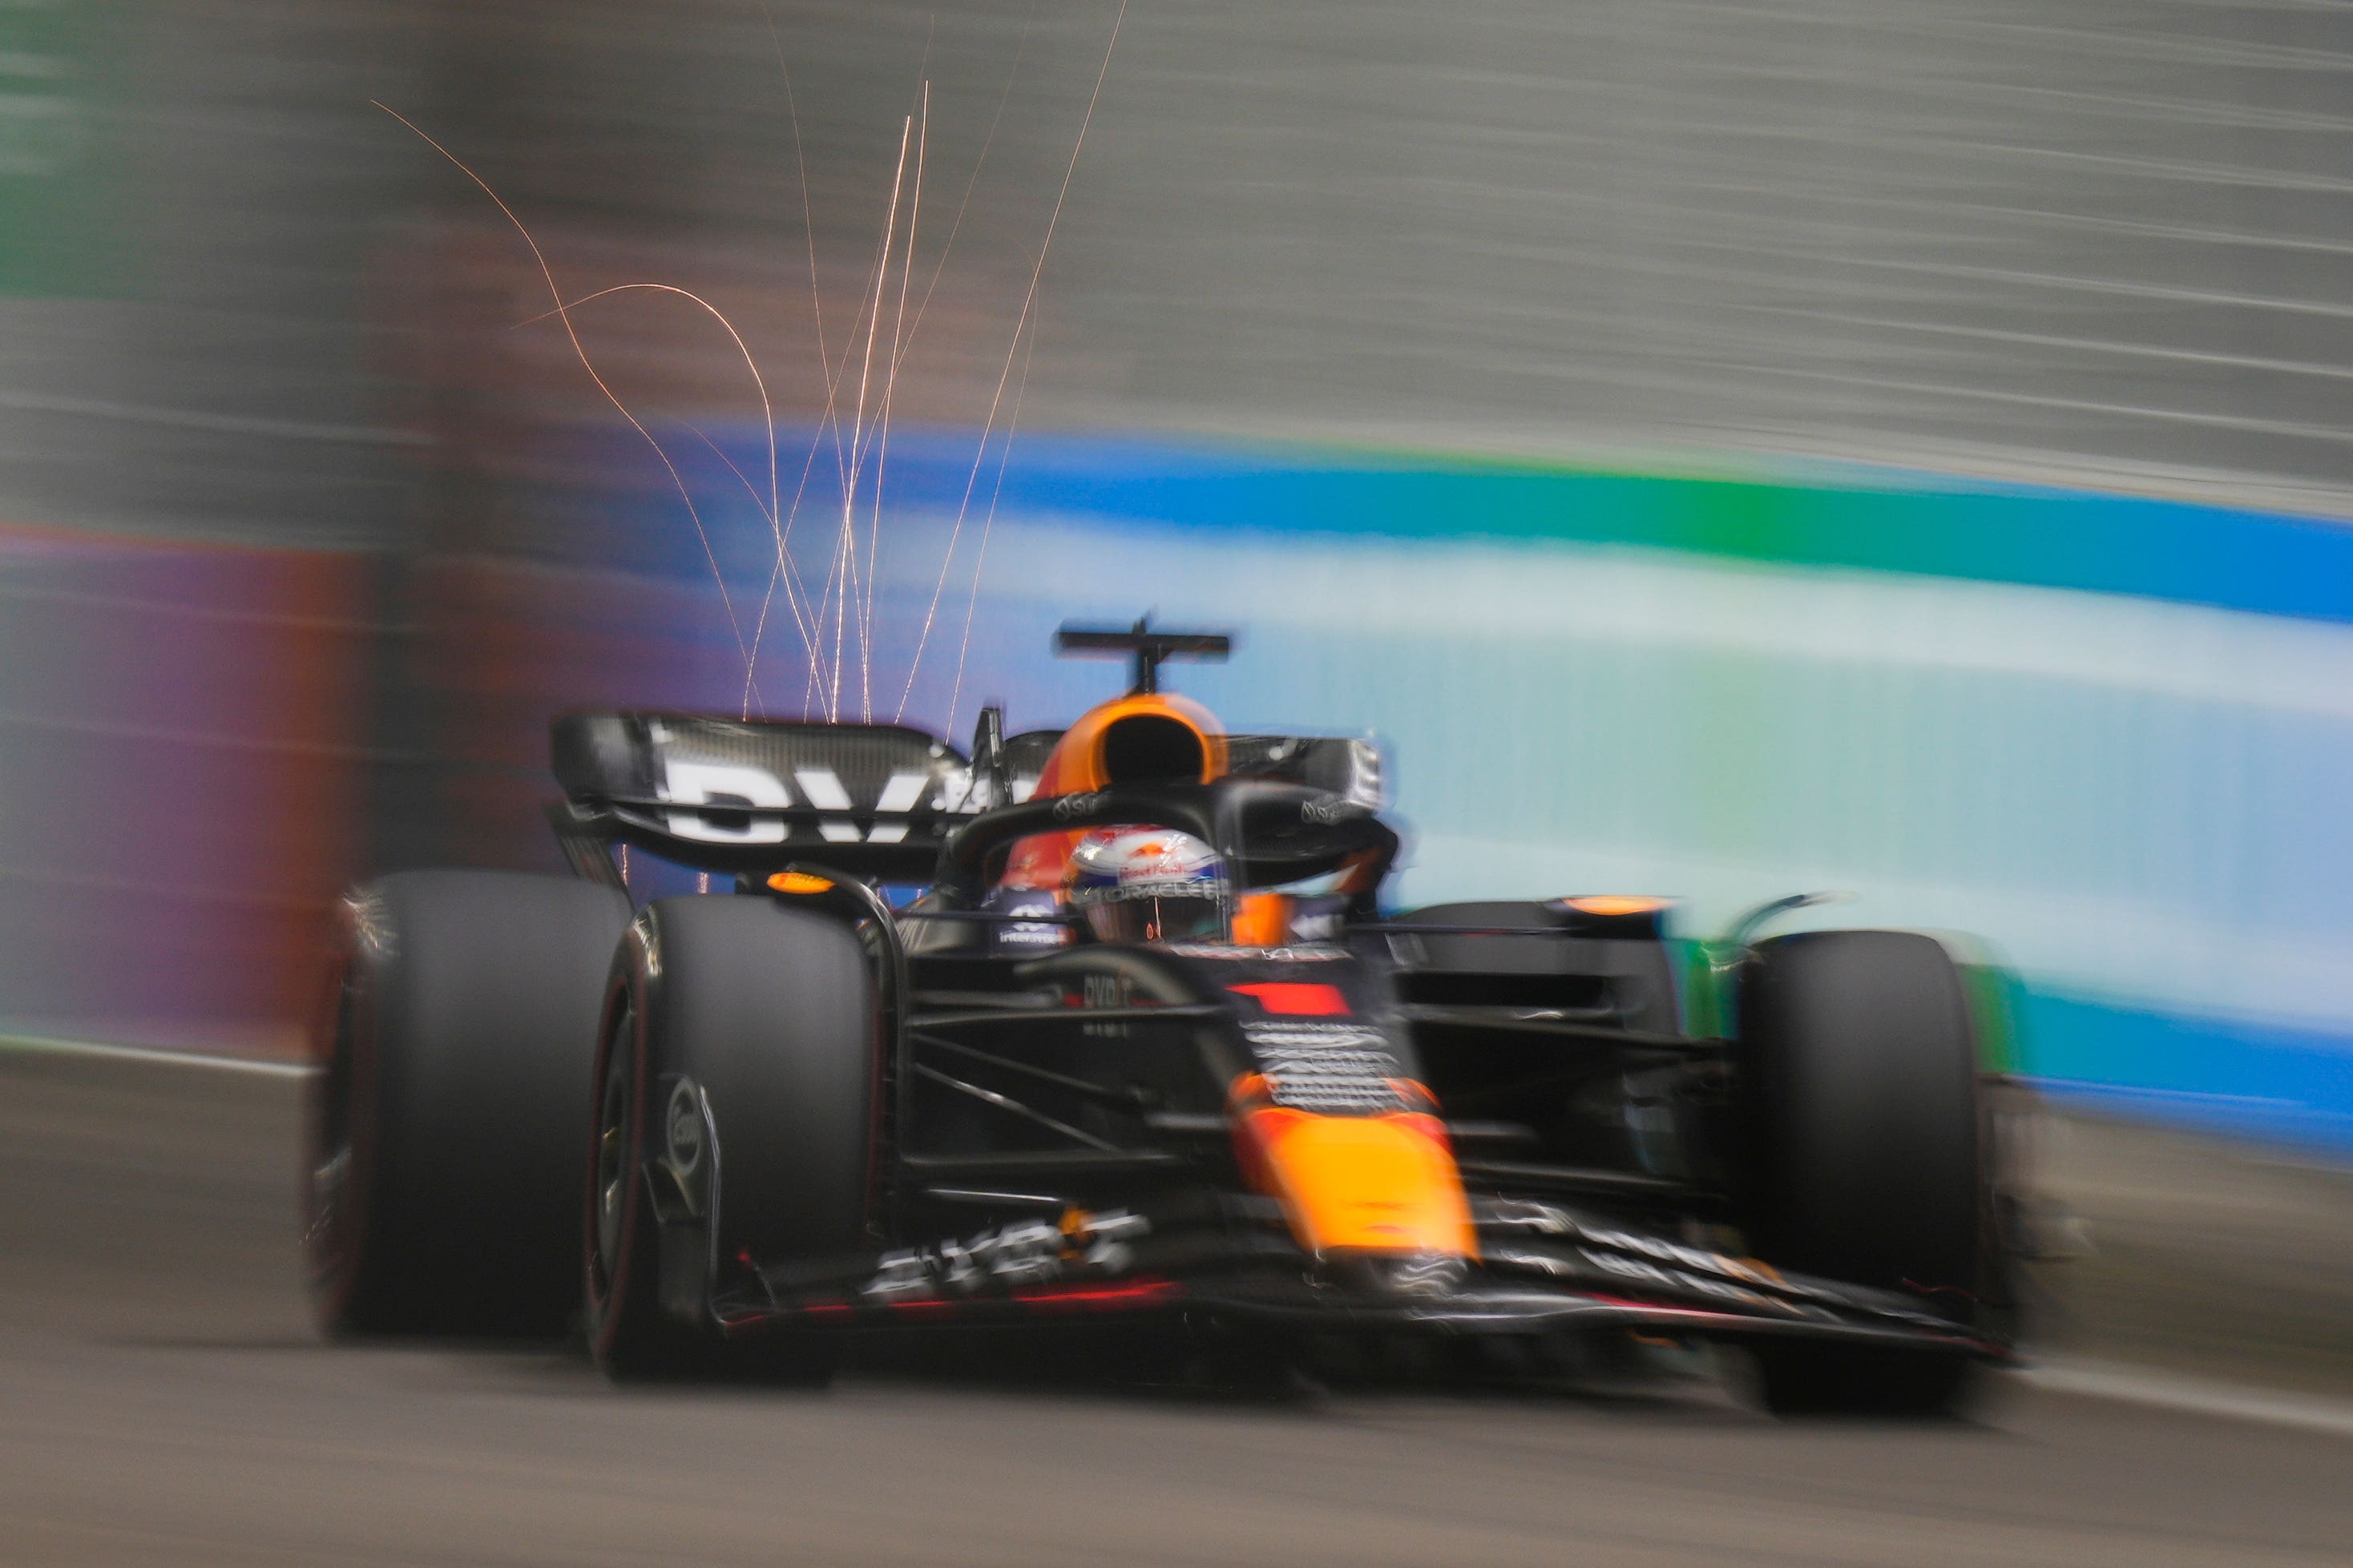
1542 1267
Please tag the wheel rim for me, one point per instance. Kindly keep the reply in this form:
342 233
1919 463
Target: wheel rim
615 1102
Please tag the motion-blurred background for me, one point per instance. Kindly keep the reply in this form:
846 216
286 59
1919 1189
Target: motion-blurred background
1725 448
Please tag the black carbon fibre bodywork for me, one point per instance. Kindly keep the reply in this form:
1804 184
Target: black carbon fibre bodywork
1058 1145
1054 1116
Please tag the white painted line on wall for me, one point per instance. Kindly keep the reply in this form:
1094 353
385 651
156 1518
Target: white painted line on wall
207 1059
2160 1389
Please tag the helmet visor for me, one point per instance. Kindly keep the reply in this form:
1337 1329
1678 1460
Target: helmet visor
1191 914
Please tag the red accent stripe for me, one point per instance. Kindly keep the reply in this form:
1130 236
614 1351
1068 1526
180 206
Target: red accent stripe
1089 1297
1296 999
1137 1290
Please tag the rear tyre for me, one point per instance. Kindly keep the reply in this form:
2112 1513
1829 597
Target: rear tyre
1867 1138
454 1048
767 1015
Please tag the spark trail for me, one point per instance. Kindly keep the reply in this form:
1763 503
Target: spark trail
1029 301
564 314
837 622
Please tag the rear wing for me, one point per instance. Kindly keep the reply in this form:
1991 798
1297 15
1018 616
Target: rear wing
874 800
1347 766
722 794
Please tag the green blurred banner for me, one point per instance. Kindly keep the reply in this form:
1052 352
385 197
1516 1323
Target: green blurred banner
56 237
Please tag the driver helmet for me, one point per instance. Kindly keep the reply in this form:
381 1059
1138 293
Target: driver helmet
1147 884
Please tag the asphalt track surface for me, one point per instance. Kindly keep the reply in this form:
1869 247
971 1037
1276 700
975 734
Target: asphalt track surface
163 1399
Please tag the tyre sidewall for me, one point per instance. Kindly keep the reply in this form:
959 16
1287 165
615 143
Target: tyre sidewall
342 1090
627 1335
771 1012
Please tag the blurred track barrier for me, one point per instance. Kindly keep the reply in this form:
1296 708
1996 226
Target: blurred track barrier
1722 688
2097 240
180 767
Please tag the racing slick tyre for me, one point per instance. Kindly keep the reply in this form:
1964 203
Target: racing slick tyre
736 1089
1867 1132
454 1053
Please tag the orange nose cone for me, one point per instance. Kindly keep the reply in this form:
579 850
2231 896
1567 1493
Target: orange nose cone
1368 1184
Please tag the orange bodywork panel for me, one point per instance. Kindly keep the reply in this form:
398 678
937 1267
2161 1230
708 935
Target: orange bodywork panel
1361 1183
1076 765
1261 920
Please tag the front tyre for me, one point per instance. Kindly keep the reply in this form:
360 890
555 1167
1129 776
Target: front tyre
1867 1137
733 1121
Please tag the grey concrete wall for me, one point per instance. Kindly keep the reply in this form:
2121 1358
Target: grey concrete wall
2092 239
189 356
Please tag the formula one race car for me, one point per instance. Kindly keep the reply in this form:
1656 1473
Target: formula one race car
1111 1024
